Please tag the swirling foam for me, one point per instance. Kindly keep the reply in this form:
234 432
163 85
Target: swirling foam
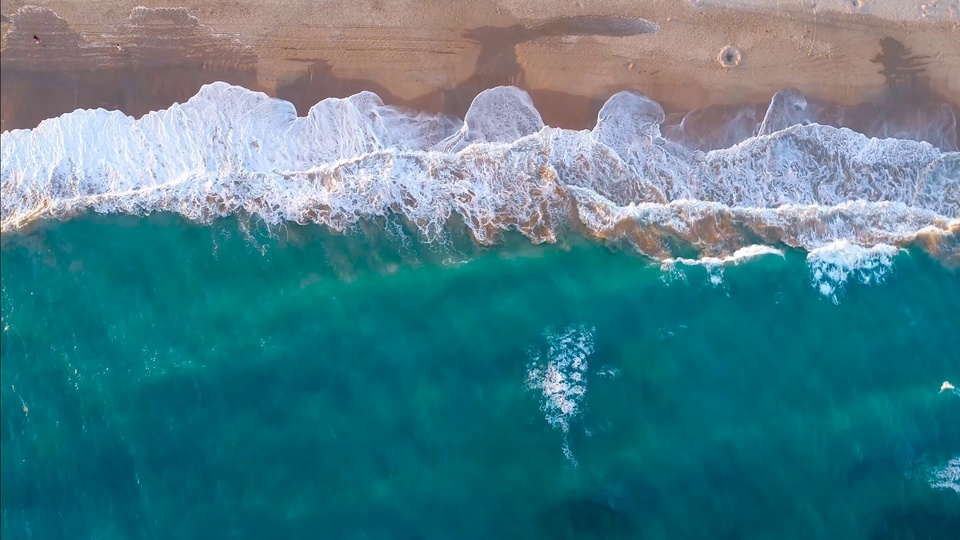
560 376
230 150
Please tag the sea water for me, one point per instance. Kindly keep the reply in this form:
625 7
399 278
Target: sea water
695 344
162 379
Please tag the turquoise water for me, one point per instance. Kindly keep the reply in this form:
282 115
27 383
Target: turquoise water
167 380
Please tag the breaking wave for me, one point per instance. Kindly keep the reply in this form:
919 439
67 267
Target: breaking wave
231 150
715 265
833 265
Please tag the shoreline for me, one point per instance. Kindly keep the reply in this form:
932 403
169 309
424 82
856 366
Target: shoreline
569 63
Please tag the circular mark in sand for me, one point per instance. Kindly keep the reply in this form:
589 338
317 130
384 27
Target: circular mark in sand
729 57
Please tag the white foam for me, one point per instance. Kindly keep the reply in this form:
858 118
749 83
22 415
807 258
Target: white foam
834 264
231 150
715 265
29 8
560 375
498 115
174 13
946 476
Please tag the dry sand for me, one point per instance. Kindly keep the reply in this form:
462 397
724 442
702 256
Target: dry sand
436 55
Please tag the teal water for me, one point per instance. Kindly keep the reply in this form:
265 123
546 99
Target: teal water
168 380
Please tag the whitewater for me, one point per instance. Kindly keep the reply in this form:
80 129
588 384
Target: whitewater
228 150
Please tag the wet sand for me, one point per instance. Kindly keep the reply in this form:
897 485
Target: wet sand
437 55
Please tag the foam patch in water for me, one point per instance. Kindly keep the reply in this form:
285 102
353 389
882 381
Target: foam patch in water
560 375
946 476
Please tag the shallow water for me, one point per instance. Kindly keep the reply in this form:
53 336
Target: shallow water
162 379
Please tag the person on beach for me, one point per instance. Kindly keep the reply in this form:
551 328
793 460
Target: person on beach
37 40
119 48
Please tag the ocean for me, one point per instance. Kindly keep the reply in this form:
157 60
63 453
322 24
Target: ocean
478 329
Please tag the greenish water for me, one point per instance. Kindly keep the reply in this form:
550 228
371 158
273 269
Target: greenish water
195 382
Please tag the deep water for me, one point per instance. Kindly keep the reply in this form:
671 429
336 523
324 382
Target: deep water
162 379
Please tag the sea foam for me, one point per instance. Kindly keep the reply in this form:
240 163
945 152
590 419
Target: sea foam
833 265
559 374
715 265
946 476
231 150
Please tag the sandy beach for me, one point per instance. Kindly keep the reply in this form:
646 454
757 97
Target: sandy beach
437 55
